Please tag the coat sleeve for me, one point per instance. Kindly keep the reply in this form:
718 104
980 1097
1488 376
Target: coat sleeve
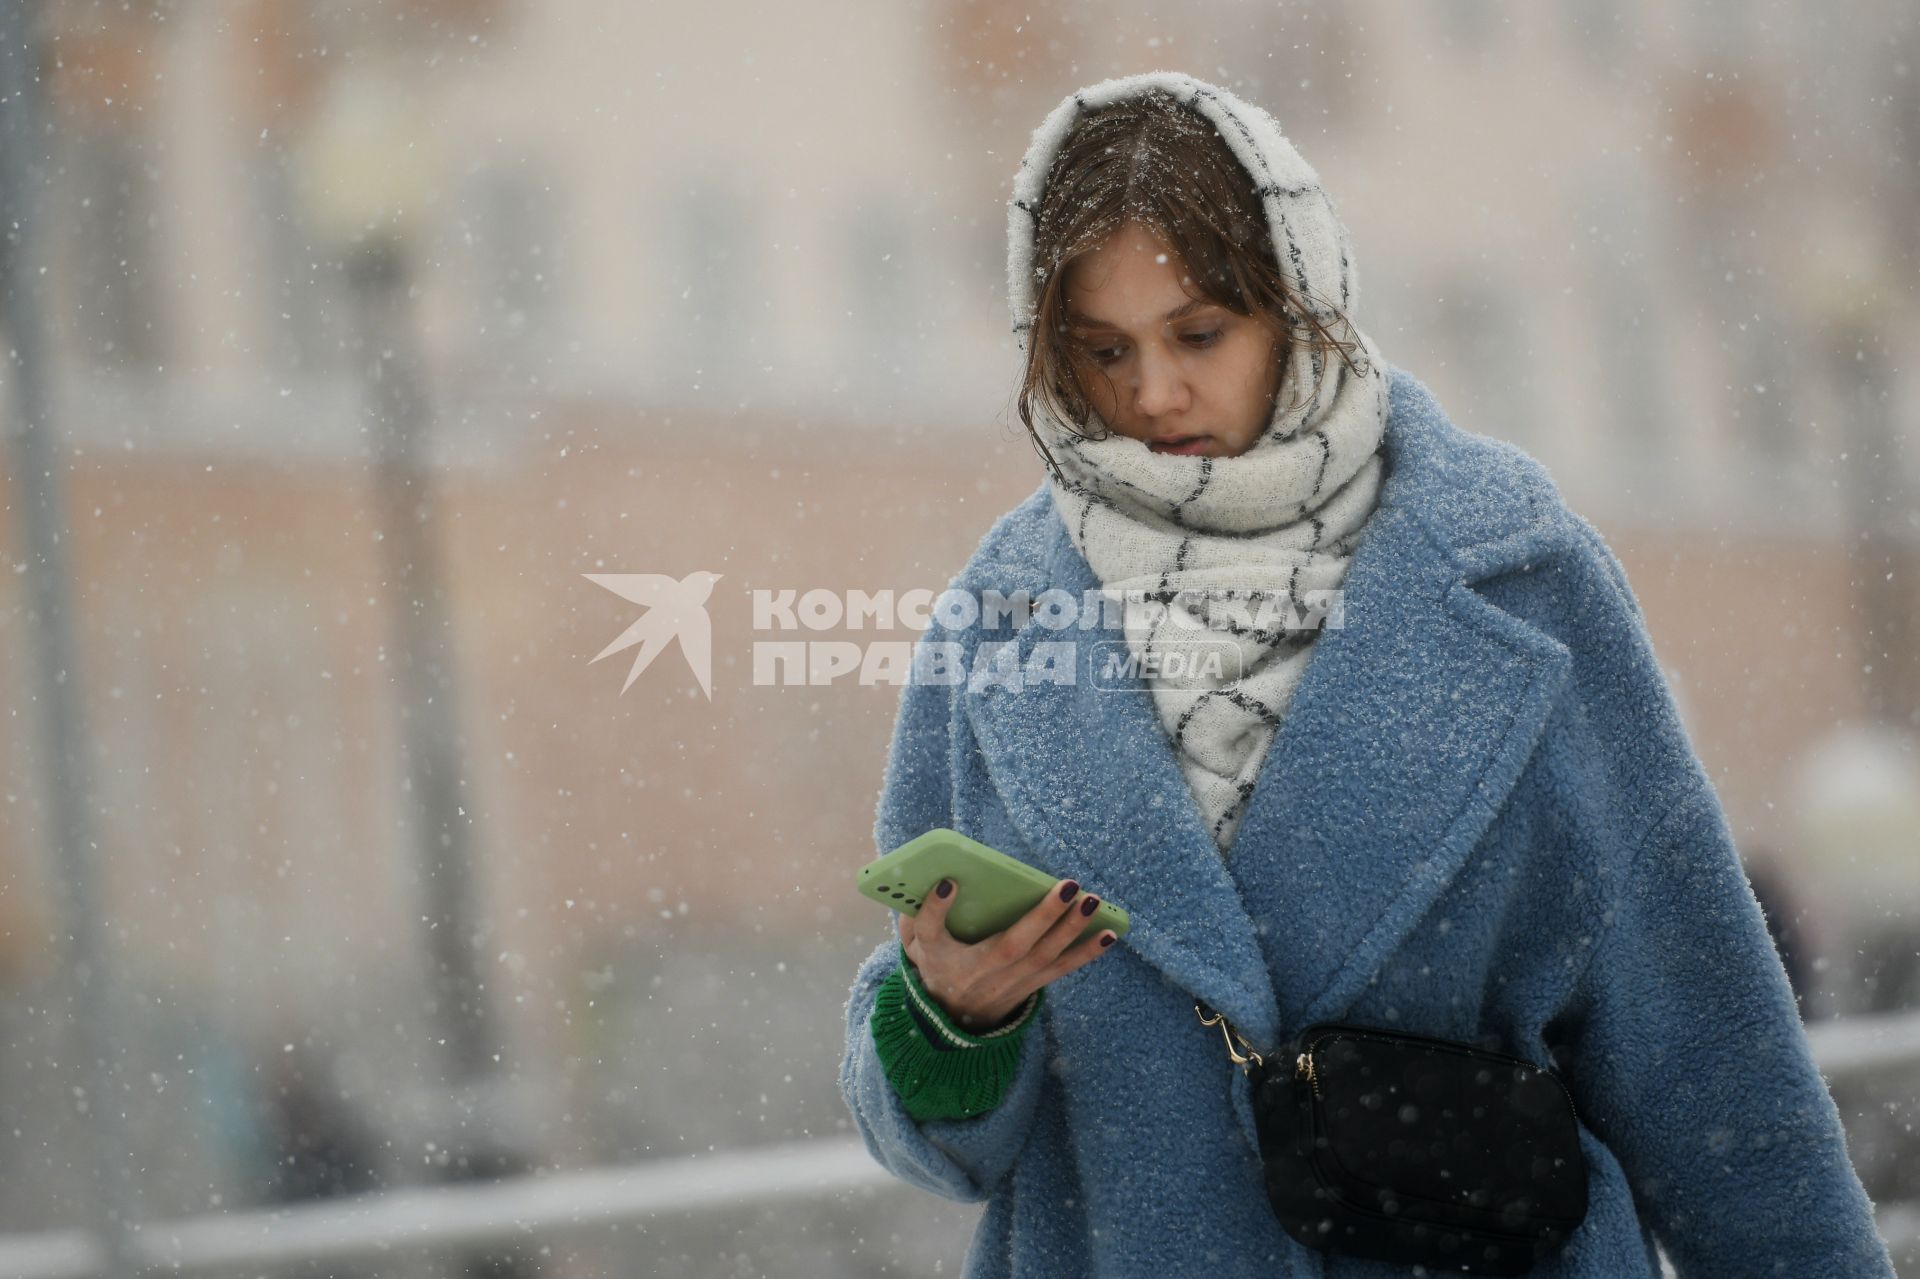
959 1159
1687 1056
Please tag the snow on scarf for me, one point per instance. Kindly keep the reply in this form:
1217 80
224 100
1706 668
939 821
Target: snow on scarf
1224 551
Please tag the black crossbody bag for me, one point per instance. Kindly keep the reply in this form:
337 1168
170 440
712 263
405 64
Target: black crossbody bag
1404 1148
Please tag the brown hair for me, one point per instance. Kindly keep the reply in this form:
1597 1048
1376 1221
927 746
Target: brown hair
1148 159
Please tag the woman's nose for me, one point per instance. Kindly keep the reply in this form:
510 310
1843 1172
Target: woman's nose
1160 387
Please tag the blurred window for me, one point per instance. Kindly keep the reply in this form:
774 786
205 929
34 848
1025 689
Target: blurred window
506 219
106 219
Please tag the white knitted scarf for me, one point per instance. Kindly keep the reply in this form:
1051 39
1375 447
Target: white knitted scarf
1225 556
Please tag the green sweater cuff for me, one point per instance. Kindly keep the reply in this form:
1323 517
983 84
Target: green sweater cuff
963 1075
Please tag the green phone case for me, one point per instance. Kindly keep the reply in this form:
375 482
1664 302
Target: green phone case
995 889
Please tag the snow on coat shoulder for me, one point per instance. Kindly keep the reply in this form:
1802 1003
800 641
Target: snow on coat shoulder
1481 820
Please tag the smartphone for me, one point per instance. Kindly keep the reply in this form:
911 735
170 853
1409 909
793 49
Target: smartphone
995 889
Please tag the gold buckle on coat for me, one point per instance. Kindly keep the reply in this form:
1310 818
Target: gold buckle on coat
1210 1018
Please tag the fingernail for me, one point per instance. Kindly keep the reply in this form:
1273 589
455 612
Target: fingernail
1088 906
946 888
1067 890
1106 939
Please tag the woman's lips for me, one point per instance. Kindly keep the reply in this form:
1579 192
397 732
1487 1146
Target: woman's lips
1190 445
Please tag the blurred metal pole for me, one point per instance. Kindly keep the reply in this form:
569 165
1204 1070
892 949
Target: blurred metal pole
396 417
56 685
424 656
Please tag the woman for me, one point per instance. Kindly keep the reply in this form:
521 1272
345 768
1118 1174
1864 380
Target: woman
1460 803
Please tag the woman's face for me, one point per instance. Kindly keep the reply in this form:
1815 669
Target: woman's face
1186 377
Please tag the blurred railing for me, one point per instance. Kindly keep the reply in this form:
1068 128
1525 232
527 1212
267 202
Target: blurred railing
529 1210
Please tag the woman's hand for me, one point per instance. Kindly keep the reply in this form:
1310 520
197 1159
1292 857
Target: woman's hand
980 985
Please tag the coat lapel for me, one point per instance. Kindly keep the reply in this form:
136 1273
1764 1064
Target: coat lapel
1410 724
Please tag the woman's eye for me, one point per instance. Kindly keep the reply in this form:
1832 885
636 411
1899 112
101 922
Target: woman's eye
1199 341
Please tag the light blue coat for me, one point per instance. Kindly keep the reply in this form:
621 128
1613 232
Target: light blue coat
1481 818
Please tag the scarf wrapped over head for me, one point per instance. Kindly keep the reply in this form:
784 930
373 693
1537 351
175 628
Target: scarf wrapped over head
1225 568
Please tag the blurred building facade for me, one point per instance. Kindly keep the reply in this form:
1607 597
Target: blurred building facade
723 288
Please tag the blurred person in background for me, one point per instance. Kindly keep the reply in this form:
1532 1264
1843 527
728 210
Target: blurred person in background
316 1143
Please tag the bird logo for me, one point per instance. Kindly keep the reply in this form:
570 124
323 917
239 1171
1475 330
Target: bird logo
675 610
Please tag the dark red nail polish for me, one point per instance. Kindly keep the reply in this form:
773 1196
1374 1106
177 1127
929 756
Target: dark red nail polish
1106 940
1067 890
1090 905
946 888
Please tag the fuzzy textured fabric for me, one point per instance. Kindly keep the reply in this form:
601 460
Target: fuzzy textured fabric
1224 555
1482 821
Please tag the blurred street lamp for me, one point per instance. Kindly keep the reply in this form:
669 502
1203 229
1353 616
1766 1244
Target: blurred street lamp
367 173
365 169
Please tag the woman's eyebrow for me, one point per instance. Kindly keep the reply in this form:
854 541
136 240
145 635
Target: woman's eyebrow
1079 321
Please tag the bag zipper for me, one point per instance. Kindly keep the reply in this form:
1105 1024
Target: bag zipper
1303 1069
1303 1066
